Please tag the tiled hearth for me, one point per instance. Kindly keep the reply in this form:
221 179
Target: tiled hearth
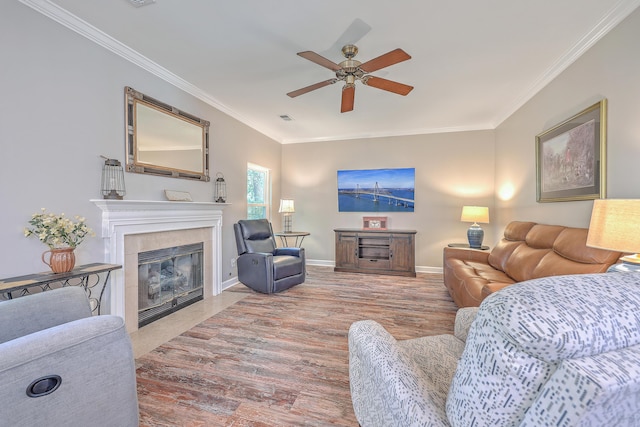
130 227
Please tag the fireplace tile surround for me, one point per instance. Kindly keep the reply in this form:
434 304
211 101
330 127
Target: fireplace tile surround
132 226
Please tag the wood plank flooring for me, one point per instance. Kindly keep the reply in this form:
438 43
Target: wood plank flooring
282 360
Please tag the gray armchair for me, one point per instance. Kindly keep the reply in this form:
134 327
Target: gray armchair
262 266
60 366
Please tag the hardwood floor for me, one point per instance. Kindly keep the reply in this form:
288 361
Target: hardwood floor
282 360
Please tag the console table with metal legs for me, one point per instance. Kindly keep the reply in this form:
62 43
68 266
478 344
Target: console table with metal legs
88 276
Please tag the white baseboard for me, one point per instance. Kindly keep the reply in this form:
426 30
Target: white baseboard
229 283
329 263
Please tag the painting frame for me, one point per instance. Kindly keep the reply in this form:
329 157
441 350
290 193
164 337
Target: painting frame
571 157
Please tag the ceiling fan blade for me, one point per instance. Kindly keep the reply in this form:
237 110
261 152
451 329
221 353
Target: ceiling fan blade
356 30
320 60
382 61
311 87
388 85
348 96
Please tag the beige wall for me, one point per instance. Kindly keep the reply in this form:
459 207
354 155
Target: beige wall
611 70
62 106
481 167
452 169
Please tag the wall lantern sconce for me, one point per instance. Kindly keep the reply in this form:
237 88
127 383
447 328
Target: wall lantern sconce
112 186
220 195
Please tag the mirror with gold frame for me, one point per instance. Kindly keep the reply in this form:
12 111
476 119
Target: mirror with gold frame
163 140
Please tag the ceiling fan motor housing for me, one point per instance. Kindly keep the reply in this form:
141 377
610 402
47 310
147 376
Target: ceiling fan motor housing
349 51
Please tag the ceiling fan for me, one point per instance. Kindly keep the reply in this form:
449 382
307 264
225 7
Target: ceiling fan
351 70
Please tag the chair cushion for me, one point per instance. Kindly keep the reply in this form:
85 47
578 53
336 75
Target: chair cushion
257 236
285 266
523 332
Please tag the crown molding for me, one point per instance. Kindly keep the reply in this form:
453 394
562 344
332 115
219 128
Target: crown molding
412 132
619 12
609 21
83 28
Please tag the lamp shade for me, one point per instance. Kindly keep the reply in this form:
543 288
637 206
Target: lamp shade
286 206
615 225
475 214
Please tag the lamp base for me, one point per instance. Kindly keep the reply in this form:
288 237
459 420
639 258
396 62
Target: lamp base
287 223
475 235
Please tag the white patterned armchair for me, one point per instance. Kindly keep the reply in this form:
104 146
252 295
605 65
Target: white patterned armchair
557 351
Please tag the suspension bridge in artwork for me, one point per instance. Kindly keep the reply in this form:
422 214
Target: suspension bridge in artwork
379 195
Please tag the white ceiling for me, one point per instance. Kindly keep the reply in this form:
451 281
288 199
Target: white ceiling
473 62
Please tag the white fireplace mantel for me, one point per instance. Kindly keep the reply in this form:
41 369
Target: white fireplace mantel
125 217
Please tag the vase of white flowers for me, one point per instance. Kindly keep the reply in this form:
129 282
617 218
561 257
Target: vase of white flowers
61 260
61 234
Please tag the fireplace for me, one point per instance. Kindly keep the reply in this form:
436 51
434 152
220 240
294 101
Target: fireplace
168 279
131 227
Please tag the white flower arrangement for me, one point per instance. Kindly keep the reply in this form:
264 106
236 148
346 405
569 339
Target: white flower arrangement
58 231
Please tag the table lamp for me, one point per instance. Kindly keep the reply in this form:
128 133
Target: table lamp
615 225
475 214
287 209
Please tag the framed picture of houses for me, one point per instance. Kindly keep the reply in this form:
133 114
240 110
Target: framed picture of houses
571 157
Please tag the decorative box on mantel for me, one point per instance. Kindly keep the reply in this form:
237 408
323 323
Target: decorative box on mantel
133 226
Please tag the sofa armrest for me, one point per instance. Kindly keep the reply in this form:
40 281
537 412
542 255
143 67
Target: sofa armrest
493 287
94 360
464 319
32 313
465 254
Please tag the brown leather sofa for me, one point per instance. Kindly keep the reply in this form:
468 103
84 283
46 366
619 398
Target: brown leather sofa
527 251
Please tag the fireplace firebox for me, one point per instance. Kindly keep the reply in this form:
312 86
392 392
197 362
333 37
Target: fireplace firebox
169 279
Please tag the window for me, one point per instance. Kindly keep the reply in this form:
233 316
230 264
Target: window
258 192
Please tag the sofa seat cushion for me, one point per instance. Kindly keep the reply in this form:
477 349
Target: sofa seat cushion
436 357
285 266
400 383
471 277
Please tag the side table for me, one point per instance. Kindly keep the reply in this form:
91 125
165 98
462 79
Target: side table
87 276
299 235
466 245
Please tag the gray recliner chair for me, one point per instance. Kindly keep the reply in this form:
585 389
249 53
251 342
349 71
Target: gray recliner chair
262 266
60 366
